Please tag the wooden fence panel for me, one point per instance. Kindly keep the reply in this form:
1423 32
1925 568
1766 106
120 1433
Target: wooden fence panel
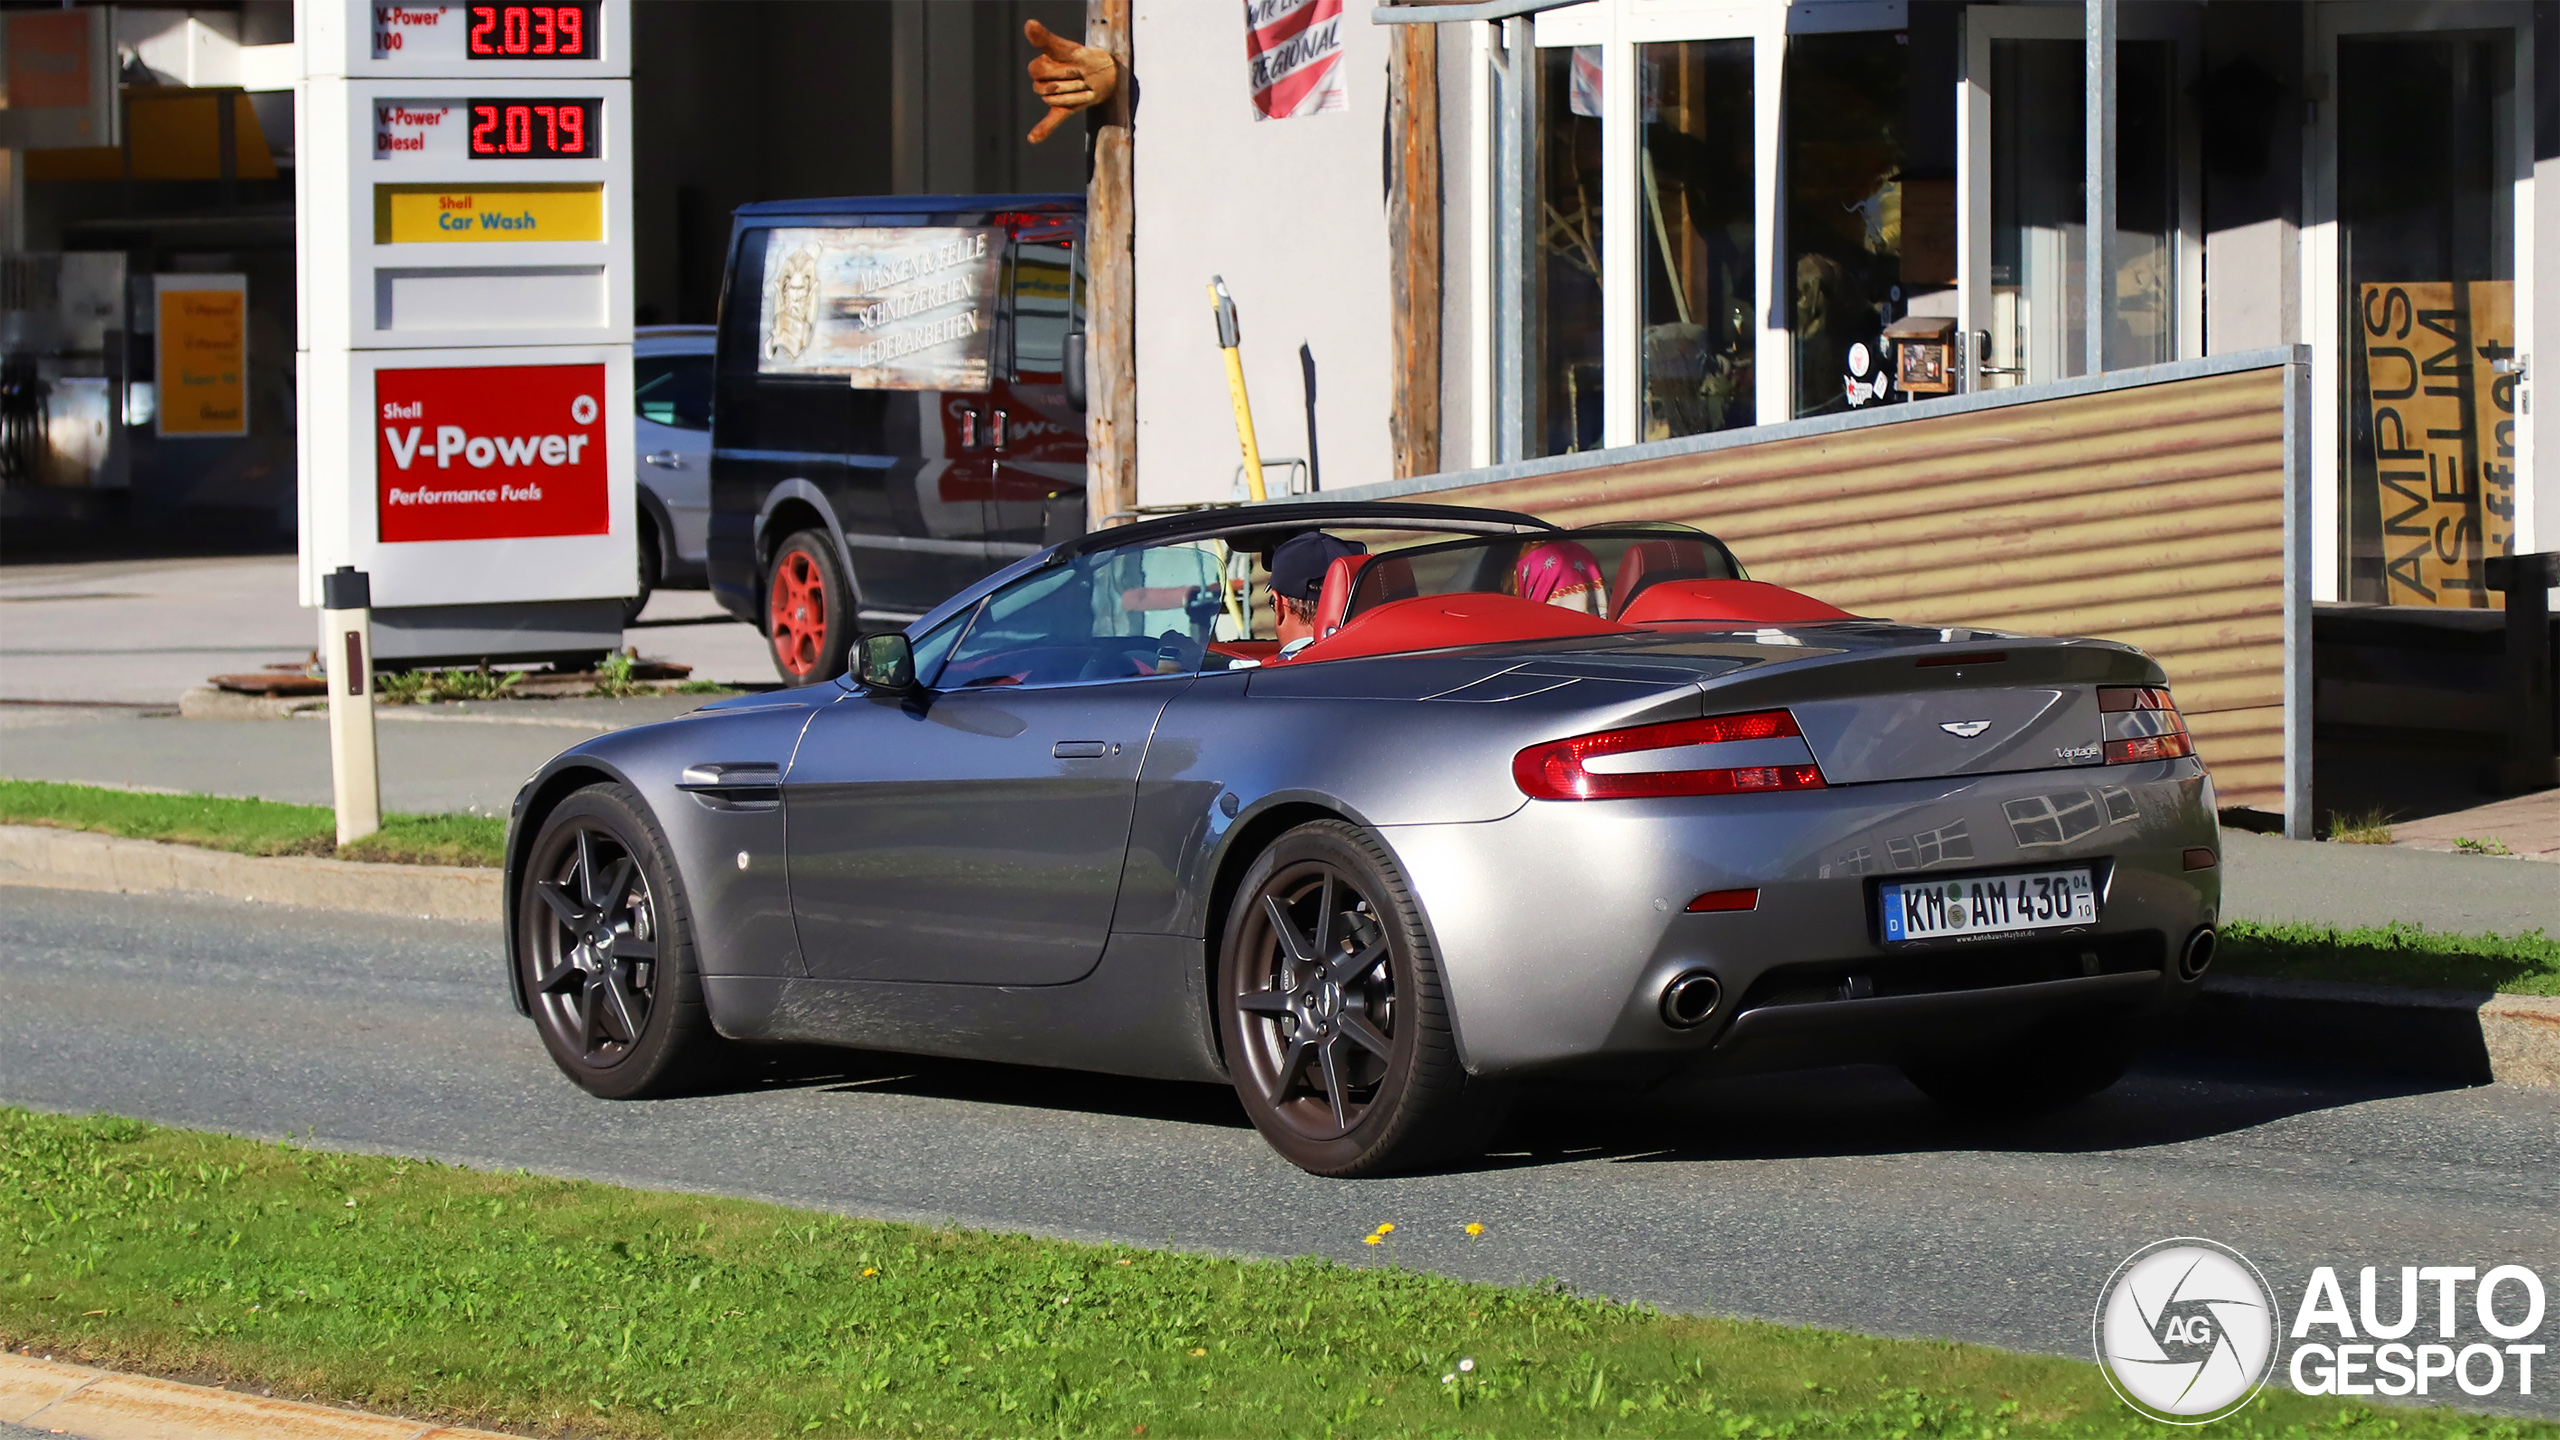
2151 514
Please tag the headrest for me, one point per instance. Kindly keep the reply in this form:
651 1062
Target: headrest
1333 602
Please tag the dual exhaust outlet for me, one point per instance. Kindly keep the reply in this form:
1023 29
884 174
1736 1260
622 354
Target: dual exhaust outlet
1690 999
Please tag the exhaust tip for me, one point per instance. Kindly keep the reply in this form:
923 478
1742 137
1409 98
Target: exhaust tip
2198 955
1689 999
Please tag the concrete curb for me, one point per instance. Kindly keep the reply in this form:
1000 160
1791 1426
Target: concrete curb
77 860
103 1405
2468 1036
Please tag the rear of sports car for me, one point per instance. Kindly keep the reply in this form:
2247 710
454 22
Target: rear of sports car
1934 854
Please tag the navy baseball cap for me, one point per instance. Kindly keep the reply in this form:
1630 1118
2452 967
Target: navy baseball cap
1298 565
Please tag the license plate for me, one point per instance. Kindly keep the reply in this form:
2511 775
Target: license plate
1988 904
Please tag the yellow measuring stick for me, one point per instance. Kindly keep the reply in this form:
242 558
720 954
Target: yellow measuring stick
1223 306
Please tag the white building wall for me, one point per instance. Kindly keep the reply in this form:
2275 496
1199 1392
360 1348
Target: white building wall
1293 214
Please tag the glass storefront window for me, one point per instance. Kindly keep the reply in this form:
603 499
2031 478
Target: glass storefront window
1567 255
2143 328
1700 323
2426 256
1844 138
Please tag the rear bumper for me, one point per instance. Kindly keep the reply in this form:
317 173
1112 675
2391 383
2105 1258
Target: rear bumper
1559 926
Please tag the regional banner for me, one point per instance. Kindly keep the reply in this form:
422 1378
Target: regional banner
2443 433
1293 55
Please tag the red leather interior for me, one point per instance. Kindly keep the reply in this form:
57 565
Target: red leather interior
1389 577
1334 601
1245 649
1654 560
1441 622
1727 602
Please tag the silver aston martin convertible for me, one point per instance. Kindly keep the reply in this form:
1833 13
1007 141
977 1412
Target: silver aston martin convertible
1375 811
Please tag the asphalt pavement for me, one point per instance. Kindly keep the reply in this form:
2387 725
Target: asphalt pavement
1838 1198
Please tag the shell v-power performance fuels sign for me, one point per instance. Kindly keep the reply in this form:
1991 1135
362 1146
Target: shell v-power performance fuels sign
466 330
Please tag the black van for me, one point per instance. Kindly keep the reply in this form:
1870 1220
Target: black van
895 414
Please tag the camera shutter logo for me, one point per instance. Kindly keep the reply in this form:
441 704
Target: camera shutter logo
2186 1331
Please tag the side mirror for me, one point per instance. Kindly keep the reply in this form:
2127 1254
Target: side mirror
1071 364
885 662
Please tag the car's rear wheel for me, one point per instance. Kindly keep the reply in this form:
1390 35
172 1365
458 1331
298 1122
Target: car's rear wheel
808 609
605 940
1332 1015
2053 1068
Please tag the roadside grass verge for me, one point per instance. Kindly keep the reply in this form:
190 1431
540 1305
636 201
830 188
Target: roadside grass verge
251 827
565 1306
2527 964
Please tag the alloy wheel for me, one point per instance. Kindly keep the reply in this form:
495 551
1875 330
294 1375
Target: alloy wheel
796 611
1316 998
595 967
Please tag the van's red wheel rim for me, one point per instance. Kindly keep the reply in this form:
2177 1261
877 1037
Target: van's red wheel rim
798 612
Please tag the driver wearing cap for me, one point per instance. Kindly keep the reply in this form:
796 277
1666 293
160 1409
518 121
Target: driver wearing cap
1298 567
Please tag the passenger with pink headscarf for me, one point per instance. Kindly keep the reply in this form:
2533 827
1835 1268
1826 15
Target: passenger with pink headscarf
1560 572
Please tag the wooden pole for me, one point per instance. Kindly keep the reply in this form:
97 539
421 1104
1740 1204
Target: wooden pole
1413 229
1111 303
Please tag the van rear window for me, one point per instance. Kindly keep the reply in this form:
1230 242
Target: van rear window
890 308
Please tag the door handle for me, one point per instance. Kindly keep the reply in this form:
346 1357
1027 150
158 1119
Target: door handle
664 459
1080 749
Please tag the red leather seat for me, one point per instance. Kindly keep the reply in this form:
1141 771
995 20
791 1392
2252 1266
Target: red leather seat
1333 602
1391 578
1655 561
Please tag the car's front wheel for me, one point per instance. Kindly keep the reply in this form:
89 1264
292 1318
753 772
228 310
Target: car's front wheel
1331 1011
605 942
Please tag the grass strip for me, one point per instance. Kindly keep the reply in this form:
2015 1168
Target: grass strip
251 827
2527 964
566 1306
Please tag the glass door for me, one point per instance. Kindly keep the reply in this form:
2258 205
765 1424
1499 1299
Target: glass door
2025 201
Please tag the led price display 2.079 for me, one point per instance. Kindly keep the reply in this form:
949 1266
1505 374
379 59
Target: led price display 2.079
533 129
532 32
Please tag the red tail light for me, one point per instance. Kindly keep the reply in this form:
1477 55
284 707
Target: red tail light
2150 703
1556 770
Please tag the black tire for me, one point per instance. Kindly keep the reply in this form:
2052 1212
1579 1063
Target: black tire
651 563
2049 1070
1348 1067
619 1006
808 609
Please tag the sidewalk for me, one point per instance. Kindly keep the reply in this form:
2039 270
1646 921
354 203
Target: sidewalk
143 632
48 1397
436 759
2269 879
2529 825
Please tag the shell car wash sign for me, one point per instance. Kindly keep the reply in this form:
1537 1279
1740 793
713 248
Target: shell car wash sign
202 323
431 215
496 452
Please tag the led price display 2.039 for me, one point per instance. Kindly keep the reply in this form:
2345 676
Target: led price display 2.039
532 32
533 129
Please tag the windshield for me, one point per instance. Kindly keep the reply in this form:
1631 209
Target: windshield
1113 615
1598 571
